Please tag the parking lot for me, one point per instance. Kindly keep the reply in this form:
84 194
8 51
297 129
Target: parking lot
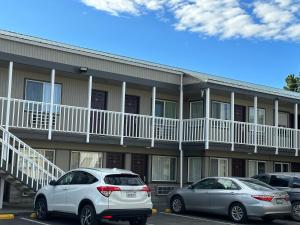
158 219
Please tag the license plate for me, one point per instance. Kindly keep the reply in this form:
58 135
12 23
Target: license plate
131 194
280 201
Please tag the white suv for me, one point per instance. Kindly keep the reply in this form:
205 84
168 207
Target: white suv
95 195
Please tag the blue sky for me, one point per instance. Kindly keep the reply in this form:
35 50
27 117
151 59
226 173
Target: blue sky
256 41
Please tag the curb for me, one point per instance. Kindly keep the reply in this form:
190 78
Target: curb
7 216
154 211
168 210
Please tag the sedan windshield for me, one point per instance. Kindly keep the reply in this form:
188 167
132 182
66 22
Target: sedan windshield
256 185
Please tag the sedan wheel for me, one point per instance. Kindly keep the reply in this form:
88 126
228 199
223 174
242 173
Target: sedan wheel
296 211
177 205
87 215
238 213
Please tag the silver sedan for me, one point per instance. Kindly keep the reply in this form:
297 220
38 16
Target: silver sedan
239 198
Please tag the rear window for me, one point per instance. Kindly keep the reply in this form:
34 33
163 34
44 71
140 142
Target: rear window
280 181
123 180
257 185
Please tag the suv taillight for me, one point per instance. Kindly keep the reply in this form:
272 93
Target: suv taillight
107 190
266 198
147 189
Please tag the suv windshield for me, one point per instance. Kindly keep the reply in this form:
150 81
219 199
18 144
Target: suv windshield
256 185
123 180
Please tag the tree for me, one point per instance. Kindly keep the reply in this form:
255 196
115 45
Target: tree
292 83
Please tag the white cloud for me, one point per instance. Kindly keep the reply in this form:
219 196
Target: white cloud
267 19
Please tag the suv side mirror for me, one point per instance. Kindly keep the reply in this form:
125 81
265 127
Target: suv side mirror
52 182
295 185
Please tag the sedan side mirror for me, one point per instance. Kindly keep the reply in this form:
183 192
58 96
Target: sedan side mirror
295 185
52 182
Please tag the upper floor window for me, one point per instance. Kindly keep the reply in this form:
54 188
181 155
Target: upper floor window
283 119
40 91
261 115
196 109
165 109
220 110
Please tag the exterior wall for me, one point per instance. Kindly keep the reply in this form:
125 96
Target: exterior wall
3 81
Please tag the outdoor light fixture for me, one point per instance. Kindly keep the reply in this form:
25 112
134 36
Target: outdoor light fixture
83 69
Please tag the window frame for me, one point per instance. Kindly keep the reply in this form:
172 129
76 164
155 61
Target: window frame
48 150
61 178
101 163
250 107
256 162
164 108
188 180
281 166
222 103
219 159
288 119
175 168
203 109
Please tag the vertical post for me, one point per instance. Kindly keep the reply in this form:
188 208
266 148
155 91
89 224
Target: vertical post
255 124
1 192
296 128
90 87
51 104
232 121
10 74
181 130
207 114
123 112
276 125
153 116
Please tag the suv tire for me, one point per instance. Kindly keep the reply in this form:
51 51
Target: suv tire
177 205
238 213
138 221
296 211
41 208
87 215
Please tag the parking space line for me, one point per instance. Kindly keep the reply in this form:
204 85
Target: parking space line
197 218
34 221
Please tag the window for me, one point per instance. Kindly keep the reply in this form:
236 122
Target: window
256 184
281 167
66 179
194 169
256 167
283 119
280 181
165 109
220 110
41 91
225 184
48 154
205 184
81 177
218 167
86 159
123 180
196 109
163 168
261 115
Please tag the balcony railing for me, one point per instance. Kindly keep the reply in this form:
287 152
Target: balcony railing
79 120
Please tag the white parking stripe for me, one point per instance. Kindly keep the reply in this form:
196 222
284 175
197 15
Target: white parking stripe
34 221
198 218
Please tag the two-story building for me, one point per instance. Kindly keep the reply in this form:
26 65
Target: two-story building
75 107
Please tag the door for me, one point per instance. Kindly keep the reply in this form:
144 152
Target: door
240 113
132 105
139 165
98 101
238 168
115 160
57 194
295 167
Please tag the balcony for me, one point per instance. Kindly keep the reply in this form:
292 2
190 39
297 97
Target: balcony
83 121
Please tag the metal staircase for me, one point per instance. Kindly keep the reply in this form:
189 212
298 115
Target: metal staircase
24 167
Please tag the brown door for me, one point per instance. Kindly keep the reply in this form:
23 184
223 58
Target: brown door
98 101
295 167
139 165
238 168
132 105
115 160
239 113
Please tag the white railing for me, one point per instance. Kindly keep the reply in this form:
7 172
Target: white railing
244 133
193 130
137 126
220 130
25 163
166 129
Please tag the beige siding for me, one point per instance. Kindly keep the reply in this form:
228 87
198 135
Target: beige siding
3 82
92 61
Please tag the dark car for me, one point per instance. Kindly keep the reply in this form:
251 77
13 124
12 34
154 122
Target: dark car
289 182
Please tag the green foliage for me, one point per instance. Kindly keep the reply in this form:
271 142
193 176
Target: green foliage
292 83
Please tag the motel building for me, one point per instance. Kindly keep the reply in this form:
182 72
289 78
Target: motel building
64 107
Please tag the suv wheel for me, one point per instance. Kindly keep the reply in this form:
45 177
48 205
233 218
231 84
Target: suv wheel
138 221
41 208
238 213
177 205
296 211
87 215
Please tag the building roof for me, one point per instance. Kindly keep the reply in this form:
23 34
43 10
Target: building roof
203 77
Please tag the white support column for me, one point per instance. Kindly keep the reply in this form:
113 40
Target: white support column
296 128
90 87
51 104
181 130
255 124
153 116
207 115
123 111
232 121
1 192
10 75
276 125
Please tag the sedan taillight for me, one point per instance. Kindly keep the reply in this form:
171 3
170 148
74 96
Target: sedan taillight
107 190
266 198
